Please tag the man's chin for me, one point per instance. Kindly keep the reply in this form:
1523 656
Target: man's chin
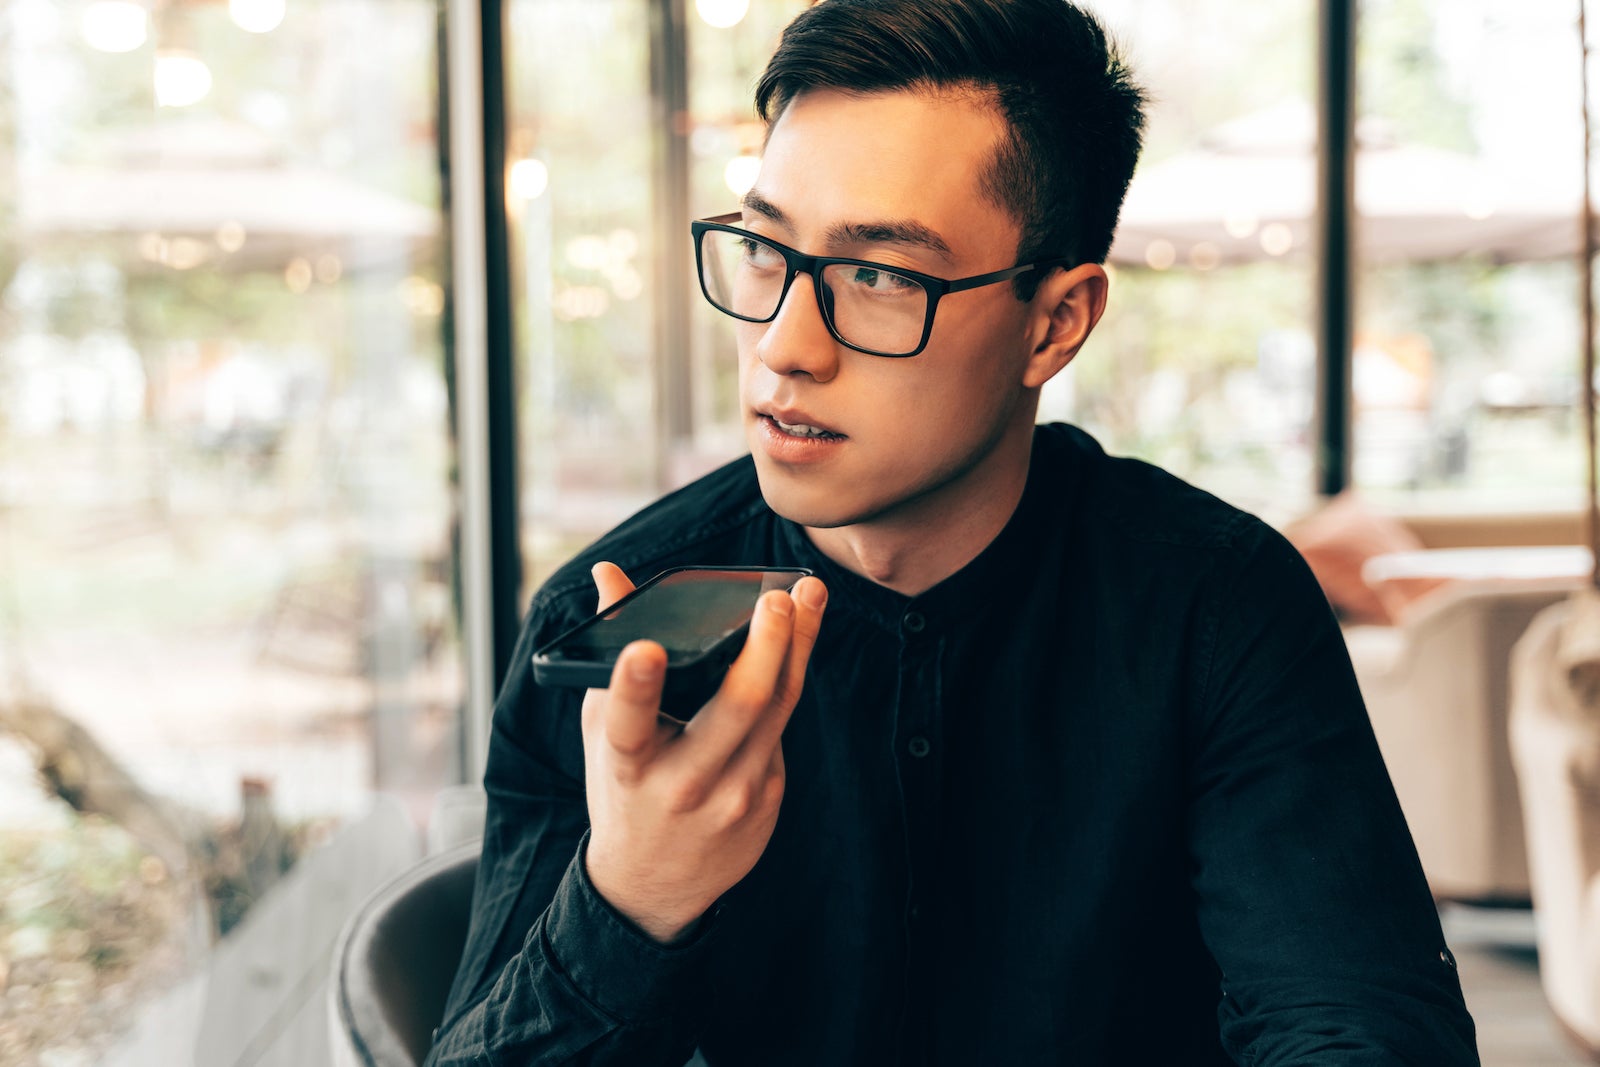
814 518
812 507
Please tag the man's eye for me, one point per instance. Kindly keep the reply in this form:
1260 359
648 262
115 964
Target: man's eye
881 281
757 254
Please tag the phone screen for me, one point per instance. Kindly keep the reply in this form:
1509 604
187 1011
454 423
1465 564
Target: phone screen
686 611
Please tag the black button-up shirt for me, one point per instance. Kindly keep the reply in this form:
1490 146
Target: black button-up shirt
1107 795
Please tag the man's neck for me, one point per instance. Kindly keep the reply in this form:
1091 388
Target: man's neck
926 540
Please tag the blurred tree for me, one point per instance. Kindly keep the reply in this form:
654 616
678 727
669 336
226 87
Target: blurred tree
1401 77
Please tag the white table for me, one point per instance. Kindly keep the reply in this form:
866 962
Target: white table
1510 563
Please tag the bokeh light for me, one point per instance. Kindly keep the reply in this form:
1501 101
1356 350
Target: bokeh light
529 179
740 173
257 16
722 13
114 25
181 79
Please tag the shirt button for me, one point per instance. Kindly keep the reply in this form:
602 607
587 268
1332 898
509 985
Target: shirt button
913 622
919 747
1448 959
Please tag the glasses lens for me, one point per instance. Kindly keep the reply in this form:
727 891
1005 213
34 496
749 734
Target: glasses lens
874 308
742 276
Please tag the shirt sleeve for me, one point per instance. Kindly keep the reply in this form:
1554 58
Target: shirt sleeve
550 973
1309 892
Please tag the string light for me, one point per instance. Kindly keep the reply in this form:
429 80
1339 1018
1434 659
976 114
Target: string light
257 16
181 79
1276 239
722 13
740 173
529 178
114 25
1160 255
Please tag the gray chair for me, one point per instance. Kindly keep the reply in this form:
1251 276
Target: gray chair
398 953
395 960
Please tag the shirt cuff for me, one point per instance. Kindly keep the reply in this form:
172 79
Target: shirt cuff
615 965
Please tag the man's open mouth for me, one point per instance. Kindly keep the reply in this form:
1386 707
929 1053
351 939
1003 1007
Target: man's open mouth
800 429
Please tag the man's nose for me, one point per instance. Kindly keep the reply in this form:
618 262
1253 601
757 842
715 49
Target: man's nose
798 341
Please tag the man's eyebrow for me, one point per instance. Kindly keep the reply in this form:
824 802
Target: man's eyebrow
886 231
754 201
890 231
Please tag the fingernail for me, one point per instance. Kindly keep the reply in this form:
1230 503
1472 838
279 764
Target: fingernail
812 594
780 604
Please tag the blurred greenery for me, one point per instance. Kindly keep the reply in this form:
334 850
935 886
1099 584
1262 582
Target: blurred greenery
1201 334
1401 77
90 925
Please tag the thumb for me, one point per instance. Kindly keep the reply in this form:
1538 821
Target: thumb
611 582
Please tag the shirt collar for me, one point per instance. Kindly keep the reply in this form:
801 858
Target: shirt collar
1001 568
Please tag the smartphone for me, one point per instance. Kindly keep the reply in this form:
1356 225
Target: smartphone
700 615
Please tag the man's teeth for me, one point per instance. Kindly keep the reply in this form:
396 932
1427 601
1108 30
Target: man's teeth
800 429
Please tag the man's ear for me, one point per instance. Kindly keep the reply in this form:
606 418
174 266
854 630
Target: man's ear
1064 310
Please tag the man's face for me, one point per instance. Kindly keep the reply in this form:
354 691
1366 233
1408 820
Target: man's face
885 177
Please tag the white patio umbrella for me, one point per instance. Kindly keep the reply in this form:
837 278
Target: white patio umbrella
1249 192
212 181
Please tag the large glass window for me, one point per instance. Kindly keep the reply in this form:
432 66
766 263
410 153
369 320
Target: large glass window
726 60
226 499
581 191
1204 362
616 139
1468 184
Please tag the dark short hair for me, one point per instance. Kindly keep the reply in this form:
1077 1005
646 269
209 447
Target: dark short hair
1075 115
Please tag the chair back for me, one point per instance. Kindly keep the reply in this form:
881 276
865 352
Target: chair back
395 960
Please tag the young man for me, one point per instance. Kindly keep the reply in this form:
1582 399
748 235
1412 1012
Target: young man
1074 769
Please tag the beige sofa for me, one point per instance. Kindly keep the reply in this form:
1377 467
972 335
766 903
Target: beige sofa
1555 744
1437 690
1436 685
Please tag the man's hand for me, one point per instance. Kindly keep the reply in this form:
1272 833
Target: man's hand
679 814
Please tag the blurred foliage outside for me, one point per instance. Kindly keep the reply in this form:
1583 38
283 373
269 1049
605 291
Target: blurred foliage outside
1464 369
89 923
226 474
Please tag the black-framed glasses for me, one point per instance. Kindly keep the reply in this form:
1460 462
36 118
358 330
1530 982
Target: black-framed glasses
870 307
